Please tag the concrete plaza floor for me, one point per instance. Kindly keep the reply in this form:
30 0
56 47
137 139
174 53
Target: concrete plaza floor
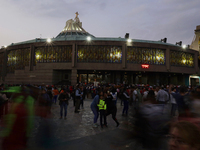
77 131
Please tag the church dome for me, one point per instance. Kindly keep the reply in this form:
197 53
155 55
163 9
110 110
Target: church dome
73 28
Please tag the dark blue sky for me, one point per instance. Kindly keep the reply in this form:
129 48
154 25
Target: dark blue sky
23 20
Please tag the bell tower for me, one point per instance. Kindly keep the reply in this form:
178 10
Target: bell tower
196 41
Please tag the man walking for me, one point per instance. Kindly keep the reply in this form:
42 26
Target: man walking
77 98
162 96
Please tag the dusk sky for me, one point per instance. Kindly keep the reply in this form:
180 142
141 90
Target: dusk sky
23 20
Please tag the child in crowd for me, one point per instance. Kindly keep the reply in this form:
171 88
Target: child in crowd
102 109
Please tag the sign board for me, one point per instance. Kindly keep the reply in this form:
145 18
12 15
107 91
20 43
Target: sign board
145 66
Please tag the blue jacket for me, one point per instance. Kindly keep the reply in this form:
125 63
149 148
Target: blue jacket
95 102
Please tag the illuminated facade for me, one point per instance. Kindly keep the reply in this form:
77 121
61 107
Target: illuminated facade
71 57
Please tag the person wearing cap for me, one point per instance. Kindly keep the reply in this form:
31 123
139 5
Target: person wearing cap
63 102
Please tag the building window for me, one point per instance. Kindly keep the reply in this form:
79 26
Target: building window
146 56
99 54
53 54
18 59
178 58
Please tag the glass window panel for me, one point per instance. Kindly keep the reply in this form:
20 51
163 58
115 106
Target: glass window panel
99 54
184 59
145 55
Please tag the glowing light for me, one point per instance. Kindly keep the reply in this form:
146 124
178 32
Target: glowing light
118 55
88 38
144 66
5 46
49 40
129 40
37 56
184 46
184 61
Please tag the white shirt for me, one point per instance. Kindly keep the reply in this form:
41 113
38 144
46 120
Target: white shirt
134 95
173 100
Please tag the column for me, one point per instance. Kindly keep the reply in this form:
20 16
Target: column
124 56
32 57
73 54
196 62
74 77
168 59
4 67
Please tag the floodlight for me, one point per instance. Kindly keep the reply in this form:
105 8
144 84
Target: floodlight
88 38
184 46
129 40
48 40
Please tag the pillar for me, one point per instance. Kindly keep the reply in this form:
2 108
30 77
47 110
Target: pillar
167 59
73 54
4 67
32 57
124 56
74 77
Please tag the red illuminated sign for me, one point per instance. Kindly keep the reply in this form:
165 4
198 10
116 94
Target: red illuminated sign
145 66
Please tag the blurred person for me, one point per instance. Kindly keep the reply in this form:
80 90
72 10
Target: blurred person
152 123
145 93
173 101
73 97
162 96
77 98
3 104
44 104
102 110
125 98
63 102
182 102
184 136
55 94
135 97
111 106
121 95
95 108
19 121
88 91
82 97
114 95
49 92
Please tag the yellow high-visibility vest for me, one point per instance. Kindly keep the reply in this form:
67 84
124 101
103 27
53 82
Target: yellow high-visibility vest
102 104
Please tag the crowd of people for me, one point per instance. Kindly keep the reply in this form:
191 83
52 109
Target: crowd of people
161 112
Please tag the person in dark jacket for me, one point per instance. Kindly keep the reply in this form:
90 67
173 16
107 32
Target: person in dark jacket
111 107
95 108
125 98
63 102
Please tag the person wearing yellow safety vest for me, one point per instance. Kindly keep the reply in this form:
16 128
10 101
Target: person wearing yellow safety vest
19 121
102 109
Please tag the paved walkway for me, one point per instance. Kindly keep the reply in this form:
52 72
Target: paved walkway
76 132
